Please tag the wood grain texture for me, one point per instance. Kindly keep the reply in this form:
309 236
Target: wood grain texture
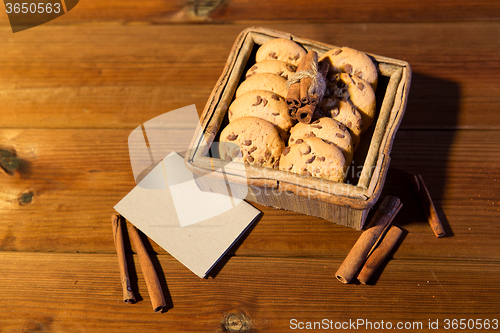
270 292
119 76
76 176
229 11
72 90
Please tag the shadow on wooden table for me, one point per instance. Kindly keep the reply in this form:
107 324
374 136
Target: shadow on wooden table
230 253
423 146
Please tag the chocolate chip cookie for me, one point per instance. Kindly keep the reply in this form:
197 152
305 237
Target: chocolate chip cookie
345 113
314 157
280 49
352 62
280 68
263 104
351 88
327 129
263 81
252 140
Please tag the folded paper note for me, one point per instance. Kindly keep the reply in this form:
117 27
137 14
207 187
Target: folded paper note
195 227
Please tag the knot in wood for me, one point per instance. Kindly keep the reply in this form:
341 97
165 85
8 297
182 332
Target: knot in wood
25 198
236 323
8 161
203 8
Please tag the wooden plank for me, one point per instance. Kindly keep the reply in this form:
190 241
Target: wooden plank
49 292
162 11
119 11
362 11
76 176
118 76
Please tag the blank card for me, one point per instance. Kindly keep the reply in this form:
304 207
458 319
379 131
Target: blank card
195 227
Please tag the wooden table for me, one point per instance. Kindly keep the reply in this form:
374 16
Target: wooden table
73 89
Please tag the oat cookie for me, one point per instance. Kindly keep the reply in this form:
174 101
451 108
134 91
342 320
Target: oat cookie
263 81
331 131
263 104
280 49
353 62
355 90
253 140
345 113
281 68
314 157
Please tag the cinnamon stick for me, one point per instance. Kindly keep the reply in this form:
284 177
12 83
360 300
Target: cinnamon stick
310 61
305 83
396 211
369 239
305 113
427 205
293 96
379 254
128 294
148 270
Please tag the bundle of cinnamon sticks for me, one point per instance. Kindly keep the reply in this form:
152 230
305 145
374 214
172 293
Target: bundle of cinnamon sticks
152 282
306 87
374 244
379 238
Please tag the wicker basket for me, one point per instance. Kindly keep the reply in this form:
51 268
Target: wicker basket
342 203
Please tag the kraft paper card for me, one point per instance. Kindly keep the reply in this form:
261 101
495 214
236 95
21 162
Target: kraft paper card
195 227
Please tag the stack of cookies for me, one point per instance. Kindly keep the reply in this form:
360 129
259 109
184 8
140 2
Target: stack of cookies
261 132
